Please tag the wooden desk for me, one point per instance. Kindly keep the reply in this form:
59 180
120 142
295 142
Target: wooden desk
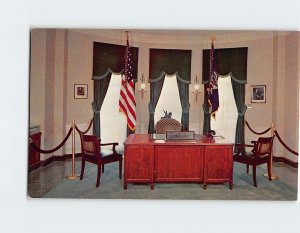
150 161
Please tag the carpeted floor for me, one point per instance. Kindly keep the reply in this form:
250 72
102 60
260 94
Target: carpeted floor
50 182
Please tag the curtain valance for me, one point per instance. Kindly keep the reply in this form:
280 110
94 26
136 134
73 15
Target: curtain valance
163 74
170 61
233 79
227 60
110 58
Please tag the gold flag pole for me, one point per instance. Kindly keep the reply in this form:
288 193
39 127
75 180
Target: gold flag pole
73 175
273 176
213 39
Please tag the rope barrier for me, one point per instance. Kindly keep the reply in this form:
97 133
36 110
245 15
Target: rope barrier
54 149
31 143
267 130
277 135
84 132
286 147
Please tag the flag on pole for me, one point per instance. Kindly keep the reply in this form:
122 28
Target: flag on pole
212 90
127 102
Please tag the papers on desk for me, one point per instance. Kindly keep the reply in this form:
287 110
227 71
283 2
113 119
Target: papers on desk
158 136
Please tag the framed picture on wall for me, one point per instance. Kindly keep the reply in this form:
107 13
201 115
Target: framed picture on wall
258 94
80 91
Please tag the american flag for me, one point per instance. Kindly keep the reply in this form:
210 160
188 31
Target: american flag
127 102
212 90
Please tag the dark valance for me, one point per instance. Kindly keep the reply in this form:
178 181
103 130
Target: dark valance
170 61
227 60
110 58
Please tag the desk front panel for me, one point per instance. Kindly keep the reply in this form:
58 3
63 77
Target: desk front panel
138 165
218 163
179 163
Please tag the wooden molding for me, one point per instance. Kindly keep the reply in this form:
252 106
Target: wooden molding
286 161
51 159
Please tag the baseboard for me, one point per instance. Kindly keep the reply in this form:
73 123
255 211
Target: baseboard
35 166
51 159
286 161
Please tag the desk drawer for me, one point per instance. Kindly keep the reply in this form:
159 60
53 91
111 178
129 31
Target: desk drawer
179 163
138 164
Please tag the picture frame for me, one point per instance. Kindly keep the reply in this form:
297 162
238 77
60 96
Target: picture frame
80 91
258 94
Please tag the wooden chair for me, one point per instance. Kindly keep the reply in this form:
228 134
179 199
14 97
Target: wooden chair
260 154
165 124
92 152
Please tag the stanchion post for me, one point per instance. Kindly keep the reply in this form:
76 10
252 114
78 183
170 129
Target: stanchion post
73 175
273 176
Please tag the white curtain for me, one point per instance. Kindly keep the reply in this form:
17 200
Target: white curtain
113 122
225 122
169 99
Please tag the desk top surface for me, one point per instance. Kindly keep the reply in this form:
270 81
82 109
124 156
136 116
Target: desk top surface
146 139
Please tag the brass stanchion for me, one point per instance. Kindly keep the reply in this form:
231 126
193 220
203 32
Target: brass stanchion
273 176
73 175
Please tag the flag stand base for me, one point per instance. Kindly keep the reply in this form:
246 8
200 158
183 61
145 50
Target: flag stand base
72 177
273 176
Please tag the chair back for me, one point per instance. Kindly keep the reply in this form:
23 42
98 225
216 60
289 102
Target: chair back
165 124
90 145
263 146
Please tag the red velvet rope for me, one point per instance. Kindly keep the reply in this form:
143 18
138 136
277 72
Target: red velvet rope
84 132
54 149
267 130
286 147
277 135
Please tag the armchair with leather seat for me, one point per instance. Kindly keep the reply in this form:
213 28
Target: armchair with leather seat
260 154
92 152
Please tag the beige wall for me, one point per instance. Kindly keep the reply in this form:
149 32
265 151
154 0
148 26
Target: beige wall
278 111
37 78
291 121
265 67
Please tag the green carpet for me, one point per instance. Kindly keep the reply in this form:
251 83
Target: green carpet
111 187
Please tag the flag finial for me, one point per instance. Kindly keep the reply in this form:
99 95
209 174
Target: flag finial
127 35
213 39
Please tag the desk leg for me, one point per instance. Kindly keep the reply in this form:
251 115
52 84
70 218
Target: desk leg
125 185
230 185
204 186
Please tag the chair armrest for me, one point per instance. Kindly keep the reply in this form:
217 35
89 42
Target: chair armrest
113 144
243 145
241 148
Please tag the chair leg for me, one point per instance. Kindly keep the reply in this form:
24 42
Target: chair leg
120 169
247 168
102 168
254 175
98 176
269 170
82 169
